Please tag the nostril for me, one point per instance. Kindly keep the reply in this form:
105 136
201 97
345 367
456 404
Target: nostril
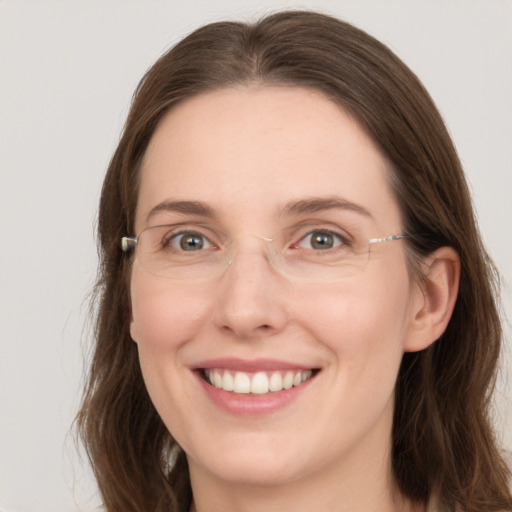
264 327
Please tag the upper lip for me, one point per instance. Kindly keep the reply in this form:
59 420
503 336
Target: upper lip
252 365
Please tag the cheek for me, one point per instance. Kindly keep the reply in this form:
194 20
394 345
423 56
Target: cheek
163 316
164 319
363 326
360 323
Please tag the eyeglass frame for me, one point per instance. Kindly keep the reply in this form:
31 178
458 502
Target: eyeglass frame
128 243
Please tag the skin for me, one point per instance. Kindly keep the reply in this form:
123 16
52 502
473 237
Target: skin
246 152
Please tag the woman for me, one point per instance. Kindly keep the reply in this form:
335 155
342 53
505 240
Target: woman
296 310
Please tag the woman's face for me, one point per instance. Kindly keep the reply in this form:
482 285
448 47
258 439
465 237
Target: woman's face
229 170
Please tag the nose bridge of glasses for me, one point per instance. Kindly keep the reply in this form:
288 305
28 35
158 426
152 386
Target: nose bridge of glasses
250 244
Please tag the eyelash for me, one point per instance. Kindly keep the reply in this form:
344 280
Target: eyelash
169 238
340 240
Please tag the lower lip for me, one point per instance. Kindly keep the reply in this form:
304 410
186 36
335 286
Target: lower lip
241 404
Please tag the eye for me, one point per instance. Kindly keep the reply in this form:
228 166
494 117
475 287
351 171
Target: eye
322 240
188 241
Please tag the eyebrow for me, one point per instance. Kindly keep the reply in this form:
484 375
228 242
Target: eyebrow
302 206
186 207
318 204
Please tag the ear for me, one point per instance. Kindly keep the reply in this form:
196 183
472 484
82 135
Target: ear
434 299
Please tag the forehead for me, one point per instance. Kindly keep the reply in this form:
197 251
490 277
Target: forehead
248 151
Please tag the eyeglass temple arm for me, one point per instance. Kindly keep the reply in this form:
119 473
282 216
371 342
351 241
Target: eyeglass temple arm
387 239
129 242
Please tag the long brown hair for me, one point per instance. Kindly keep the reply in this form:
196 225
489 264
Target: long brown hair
442 434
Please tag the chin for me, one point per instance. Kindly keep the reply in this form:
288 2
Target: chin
255 460
255 471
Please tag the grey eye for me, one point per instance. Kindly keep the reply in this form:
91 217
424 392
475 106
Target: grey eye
189 242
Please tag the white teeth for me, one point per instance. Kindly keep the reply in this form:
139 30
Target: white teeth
276 382
217 379
288 380
258 383
306 374
228 383
242 383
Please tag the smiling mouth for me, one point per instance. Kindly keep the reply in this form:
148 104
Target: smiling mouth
257 383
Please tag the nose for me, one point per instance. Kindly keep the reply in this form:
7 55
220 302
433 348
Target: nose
252 298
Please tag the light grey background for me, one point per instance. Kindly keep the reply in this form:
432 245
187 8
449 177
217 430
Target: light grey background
67 72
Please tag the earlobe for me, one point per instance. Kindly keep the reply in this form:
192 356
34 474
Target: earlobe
435 299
